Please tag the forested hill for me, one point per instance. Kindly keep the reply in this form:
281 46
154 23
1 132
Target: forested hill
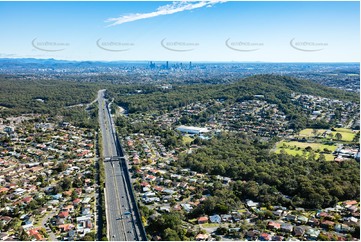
22 96
275 85
49 97
276 89
43 96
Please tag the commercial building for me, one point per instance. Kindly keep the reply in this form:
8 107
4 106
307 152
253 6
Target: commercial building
192 130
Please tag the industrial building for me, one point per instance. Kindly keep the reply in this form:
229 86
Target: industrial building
192 130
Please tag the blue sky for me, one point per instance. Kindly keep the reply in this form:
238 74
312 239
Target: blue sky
182 31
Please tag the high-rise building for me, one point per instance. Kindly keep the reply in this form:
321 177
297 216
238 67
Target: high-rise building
151 65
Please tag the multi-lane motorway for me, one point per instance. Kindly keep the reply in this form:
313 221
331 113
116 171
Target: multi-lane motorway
123 221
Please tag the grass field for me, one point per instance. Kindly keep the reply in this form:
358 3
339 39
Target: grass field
187 140
193 221
210 225
292 148
314 146
347 134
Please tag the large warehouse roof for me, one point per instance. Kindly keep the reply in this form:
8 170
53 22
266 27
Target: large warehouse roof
192 130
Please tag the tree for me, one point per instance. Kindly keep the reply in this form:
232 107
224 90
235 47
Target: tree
356 138
33 205
315 200
57 189
170 235
221 230
40 178
323 237
327 151
77 183
61 167
322 157
66 183
338 136
251 189
170 221
43 232
330 135
24 236
89 236
74 195
221 208
356 232
14 224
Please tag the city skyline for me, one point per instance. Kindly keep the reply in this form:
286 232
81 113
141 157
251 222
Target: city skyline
212 31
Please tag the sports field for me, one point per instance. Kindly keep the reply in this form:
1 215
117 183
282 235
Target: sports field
347 134
187 139
298 148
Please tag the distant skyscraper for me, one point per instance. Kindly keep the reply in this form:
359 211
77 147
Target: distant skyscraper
167 65
151 65
190 65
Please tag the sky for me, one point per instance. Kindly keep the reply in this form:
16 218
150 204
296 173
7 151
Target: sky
182 31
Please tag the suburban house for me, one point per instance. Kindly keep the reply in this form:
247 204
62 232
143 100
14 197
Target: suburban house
202 220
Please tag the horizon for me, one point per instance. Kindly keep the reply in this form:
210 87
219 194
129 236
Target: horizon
201 31
178 61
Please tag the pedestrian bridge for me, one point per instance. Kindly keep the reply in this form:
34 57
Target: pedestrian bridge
112 158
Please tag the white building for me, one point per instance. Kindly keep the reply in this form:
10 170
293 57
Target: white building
192 130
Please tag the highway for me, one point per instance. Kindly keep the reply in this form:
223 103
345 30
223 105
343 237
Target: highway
123 220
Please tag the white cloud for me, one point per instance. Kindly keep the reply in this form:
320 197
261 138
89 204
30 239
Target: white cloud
175 7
